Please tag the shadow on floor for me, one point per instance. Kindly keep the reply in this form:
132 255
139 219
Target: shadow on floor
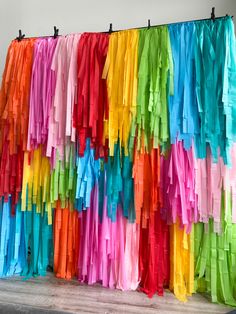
12 309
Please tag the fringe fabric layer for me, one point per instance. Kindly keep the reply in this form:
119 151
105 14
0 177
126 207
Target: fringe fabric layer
118 159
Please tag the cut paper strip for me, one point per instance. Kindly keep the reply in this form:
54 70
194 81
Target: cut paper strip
108 249
121 73
178 186
92 108
212 181
181 262
66 242
41 92
26 242
155 83
14 113
154 232
183 109
64 97
215 258
215 63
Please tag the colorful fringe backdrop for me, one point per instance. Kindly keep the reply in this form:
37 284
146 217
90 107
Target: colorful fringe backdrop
118 159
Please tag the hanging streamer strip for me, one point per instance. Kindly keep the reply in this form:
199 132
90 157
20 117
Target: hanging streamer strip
92 108
14 112
121 73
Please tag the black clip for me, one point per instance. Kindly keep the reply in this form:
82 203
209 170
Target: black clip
56 32
149 24
227 15
213 17
110 29
21 36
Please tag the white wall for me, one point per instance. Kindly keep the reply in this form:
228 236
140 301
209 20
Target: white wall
37 17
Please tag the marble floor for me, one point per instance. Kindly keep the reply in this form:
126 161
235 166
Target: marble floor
52 295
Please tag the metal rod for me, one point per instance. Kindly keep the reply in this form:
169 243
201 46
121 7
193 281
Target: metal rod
143 27
189 21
